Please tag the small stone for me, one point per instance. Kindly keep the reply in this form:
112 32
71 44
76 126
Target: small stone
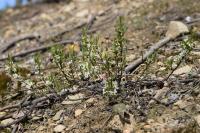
76 97
188 19
162 68
182 104
119 108
68 8
78 112
45 16
41 128
116 123
18 114
176 28
59 128
58 115
90 100
7 121
82 13
160 63
128 128
197 118
183 70
195 53
147 127
36 118
161 93
68 102
2 114
198 107
150 121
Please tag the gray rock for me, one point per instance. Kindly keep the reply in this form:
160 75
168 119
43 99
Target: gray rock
2 114
59 128
176 28
183 70
90 100
76 96
197 118
58 115
119 108
68 102
18 114
116 123
78 112
7 121
182 104
82 13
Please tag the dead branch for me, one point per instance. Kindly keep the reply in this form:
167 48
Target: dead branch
33 104
17 39
42 48
172 33
64 42
40 99
28 113
130 68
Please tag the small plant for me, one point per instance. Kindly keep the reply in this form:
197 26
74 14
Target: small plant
115 60
187 46
89 58
41 75
93 63
59 58
173 63
14 70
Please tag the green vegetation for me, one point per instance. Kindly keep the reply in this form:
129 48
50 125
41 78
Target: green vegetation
93 63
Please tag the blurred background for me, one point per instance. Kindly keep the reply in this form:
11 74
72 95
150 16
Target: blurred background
11 3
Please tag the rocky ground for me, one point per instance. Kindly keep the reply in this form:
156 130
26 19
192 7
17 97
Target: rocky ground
148 105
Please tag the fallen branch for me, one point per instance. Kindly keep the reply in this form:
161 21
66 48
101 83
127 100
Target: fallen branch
64 42
40 99
33 105
130 68
28 113
80 25
175 29
42 48
17 39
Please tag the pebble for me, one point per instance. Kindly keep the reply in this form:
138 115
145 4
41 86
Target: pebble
7 121
76 97
82 13
176 28
116 123
183 70
197 118
90 100
58 115
78 112
68 102
182 104
41 128
2 114
59 128
18 115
